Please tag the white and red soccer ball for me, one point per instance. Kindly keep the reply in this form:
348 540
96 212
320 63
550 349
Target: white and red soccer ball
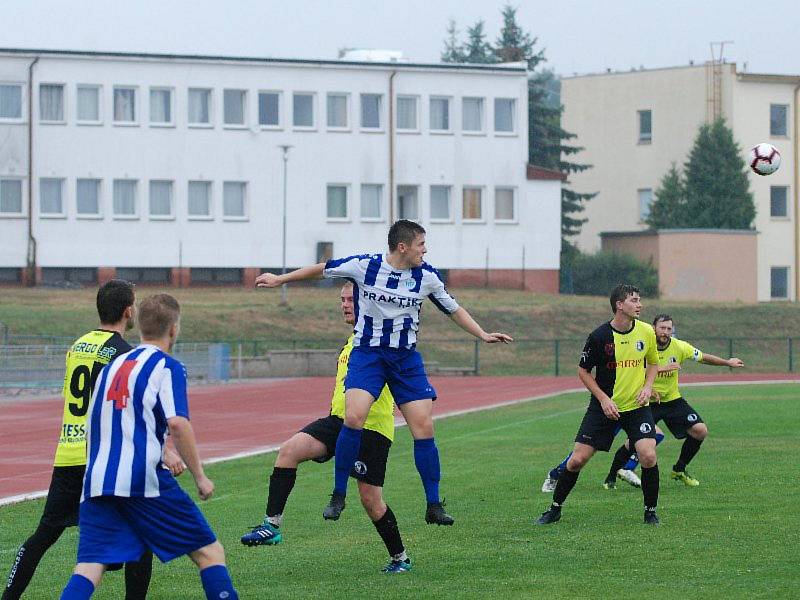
764 159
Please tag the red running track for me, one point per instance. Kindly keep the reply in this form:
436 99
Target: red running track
245 417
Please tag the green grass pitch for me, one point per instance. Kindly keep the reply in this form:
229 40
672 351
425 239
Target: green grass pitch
735 536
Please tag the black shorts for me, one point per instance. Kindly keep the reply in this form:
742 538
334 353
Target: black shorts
63 497
678 416
598 431
371 464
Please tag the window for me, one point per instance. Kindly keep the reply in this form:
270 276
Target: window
371 111
473 204
233 200
160 199
407 113
504 109
125 198
779 282
645 126
645 201
199 106
303 110
472 114
10 196
504 205
269 112
440 203
200 276
337 111
371 202
777 119
124 105
10 275
88 104
11 101
87 195
778 205
440 114
51 196
199 199
407 203
80 275
234 103
161 106
51 103
337 202
145 274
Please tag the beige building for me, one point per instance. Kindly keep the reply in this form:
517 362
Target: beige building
634 124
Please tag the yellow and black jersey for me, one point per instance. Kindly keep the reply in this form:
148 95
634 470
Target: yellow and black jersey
676 352
619 359
381 414
86 357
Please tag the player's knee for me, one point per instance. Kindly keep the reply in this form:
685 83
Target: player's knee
699 431
208 556
372 501
577 461
647 457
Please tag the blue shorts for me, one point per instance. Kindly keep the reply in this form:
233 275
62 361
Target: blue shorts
114 529
372 367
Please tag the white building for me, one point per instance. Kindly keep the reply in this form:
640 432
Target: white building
162 167
635 124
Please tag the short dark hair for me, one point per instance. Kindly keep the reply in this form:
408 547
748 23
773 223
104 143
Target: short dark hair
661 317
620 292
113 298
403 231
156 315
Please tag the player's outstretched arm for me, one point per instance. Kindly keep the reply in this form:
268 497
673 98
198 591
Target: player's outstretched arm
733 362
464 320
270 280
182 433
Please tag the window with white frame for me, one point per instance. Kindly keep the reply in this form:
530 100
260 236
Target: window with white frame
10 196
371 202
51 196
269 111
441 209
779 282
407 113
234 106
161 106
440 114
337 110
199 106
371 111
472 115
504 115
778 119
408 202
51 103
303 109
199 204
160 199
505 209
124 198
645 202
11 101
234 200
124 104
87 198
337 202
778 203
87 105
472 204
645 126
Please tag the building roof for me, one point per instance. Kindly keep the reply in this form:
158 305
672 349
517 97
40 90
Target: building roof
742 75
649 232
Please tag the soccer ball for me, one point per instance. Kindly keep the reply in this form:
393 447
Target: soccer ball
764 159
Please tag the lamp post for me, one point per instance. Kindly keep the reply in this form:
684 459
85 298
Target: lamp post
284 291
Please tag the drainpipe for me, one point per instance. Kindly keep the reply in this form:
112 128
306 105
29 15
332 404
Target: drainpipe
31 260
391 147
796 197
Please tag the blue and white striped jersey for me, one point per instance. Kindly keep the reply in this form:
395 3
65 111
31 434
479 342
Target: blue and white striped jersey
387 301
127 422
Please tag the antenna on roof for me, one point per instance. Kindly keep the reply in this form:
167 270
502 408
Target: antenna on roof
714 81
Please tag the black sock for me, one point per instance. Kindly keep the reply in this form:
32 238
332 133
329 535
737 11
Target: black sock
564 486
389 532
621 456
137 577
688 450
281 483
650 487
27 559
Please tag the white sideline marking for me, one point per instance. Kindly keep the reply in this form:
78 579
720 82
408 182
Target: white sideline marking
455 413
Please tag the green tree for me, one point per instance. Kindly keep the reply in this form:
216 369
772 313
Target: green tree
477 50
669 207
453 50
515 45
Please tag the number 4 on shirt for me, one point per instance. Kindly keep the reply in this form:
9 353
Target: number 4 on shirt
118 390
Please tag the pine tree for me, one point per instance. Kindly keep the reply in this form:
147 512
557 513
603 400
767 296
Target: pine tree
515 45
477 50
669 207
453 50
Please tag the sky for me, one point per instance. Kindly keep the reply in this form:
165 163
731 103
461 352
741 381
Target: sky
579 36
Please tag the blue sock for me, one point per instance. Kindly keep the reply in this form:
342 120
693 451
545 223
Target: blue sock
554 473
217 583
633 461
78 588
347 446
426 457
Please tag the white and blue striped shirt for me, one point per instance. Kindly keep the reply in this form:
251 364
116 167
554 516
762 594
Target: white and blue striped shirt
127 423
387 300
